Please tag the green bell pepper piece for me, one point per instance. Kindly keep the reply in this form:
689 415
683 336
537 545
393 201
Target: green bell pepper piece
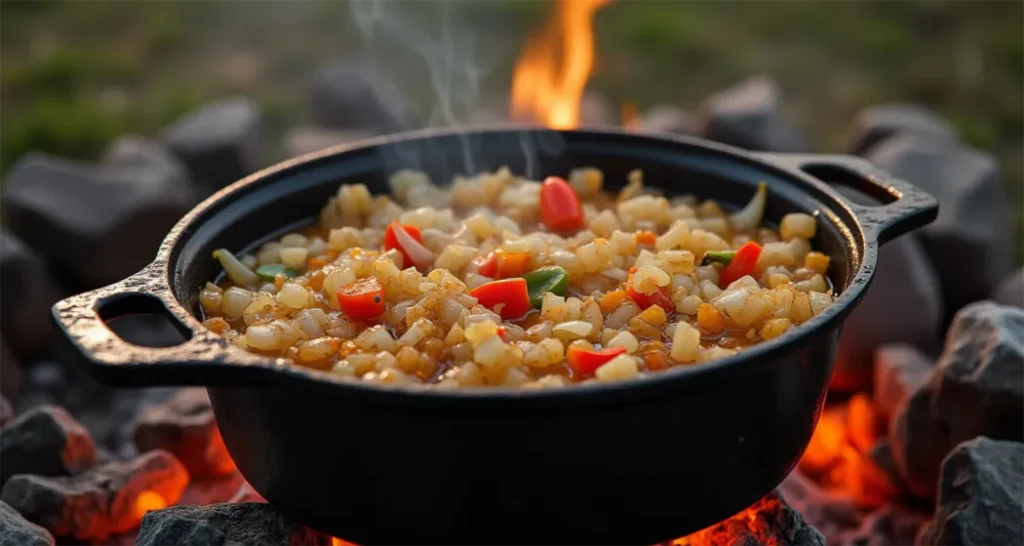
552 279
718 256
270 271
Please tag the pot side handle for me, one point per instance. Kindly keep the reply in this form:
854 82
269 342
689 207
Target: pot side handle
202 358
903 207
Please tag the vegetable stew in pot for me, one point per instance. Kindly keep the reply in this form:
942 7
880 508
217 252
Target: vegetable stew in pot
499 280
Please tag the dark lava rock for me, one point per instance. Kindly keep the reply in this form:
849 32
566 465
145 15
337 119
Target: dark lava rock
877 123
981 496
144 152
899 370
881 455
970 243
95 224
6 412
220 142
28 292
355 96
832 514
304 140
769 521
976 390
249 523
885 526
16 530
10 371
667 119
903 305
106 500
45 441
749 115
185 426
1011 290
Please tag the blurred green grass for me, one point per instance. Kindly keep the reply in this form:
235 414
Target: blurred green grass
74 75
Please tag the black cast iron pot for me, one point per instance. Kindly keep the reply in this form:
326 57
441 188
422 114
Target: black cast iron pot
634 462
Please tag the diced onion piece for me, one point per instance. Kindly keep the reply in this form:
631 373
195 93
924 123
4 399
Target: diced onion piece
235 268
421 255
617 369
750 216
685 343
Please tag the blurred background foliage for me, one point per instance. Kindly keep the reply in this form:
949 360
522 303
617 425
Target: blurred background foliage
75 74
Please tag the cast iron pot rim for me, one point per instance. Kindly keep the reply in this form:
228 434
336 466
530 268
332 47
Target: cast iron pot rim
217 352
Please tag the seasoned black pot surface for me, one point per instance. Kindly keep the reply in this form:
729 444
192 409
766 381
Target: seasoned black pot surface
634 462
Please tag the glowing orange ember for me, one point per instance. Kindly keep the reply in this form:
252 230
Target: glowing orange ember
837 454
148 501
335 541
553 68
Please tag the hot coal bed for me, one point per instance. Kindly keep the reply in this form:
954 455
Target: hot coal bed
920 441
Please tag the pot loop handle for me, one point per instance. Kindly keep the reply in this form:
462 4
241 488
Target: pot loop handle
203 357
904 207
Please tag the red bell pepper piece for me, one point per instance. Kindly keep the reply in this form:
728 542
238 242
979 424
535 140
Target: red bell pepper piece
560 207
742 264
391 241
509 297
585 362
362 299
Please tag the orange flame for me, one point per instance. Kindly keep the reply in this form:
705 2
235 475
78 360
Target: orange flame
546 88
837 454
148 501
335 541
630 116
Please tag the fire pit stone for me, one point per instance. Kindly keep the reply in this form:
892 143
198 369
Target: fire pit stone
101 502
977 389
29 291
903 305
15 529
46 441
96 224
304 140
1011 290
668 119
247 523
900 369
6 411
185 426
981 495
769 521
749 115
353 95
878 123
220 142
888 525
970 243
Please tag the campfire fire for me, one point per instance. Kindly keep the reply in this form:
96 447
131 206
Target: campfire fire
553 68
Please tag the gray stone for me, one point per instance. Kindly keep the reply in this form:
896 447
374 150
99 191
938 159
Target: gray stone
977 389
885 526
304 140
667 119
354 95
981 496
249 524
900 370
878 123
28 292
104 501
831 513
45 441
881 455
903 305
220 142
10 371
773 521
1011 290
749 115
970 243
16 530
185 426
95 224
6 412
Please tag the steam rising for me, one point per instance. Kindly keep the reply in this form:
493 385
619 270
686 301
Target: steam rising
391 32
